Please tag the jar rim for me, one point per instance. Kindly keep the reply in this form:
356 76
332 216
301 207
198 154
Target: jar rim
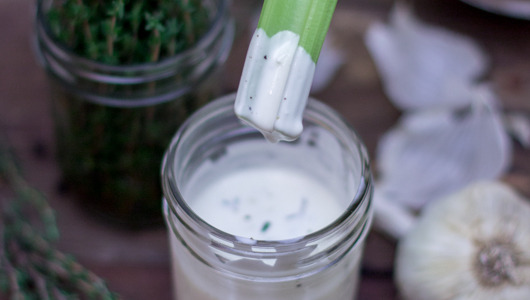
133 85
60 50
315 109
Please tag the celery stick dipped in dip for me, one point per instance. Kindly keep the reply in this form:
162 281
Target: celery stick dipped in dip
280 65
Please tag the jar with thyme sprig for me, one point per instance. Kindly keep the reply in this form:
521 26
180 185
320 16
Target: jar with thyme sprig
125 74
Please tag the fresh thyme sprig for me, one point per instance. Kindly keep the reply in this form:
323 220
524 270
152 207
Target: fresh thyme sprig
31 267
127 32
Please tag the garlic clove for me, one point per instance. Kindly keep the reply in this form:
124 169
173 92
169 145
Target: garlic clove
474 244
432 153
392 217
518 125
424 66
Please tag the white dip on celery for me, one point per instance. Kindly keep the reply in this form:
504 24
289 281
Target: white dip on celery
275 84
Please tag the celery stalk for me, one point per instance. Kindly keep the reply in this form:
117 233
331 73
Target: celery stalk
307 18
280 65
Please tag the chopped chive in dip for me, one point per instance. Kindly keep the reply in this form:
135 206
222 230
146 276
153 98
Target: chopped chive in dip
265 226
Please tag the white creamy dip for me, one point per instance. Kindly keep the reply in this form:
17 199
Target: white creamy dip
266 203
268 191
275 84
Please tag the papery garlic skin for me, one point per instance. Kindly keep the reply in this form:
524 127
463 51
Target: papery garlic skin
424 66
432 153
474 244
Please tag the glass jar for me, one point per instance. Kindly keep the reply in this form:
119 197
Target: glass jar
113 122
304 257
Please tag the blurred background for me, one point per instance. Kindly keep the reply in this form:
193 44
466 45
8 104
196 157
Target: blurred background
135 263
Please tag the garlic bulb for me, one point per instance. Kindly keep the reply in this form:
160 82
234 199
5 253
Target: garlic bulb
474 244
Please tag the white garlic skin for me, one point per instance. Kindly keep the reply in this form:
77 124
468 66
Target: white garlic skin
439 259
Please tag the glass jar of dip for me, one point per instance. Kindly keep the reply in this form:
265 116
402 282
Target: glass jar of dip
250 219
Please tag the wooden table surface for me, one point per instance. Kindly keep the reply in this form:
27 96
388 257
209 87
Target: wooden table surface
136 263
